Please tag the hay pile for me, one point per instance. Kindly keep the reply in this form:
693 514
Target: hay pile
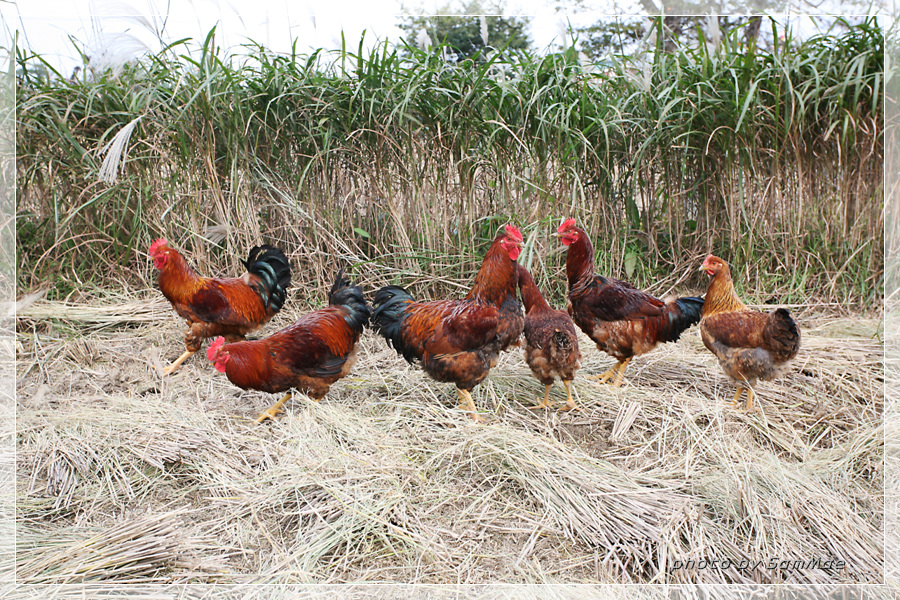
123 476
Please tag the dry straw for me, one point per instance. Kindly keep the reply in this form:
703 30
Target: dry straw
385 480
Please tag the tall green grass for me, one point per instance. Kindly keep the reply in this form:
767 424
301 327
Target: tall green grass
771 159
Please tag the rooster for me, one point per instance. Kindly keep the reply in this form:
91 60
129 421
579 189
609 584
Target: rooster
310 355
624 322
750 345
230 307
551 343
459 341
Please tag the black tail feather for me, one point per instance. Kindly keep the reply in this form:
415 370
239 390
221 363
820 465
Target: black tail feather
274 271
688 313
562 341
351 296
389 303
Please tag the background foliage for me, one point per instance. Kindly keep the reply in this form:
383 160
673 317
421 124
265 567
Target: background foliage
404 165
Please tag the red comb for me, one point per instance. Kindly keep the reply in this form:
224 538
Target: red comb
213 349
514 232
566 225
154 247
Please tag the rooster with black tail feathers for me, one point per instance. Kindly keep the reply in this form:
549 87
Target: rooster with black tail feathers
623 321
309 356
231 307
459 341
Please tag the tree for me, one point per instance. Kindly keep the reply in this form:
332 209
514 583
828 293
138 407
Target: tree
463 30
682 21
615 36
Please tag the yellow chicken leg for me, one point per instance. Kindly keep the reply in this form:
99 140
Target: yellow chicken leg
570 402
750 396
466 403
545 403
735 402
273 411
620 376
604 377
187 354
616 373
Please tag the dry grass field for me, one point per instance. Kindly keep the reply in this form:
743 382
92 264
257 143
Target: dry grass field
127 477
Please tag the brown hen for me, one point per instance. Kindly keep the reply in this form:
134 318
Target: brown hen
750 345
551 342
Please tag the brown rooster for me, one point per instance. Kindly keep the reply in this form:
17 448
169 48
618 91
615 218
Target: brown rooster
624 322
230 307
459 341
310 355
551 343
750 345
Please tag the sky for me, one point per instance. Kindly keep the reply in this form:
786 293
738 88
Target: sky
111 29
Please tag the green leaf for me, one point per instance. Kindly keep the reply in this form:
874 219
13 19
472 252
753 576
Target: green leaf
631 261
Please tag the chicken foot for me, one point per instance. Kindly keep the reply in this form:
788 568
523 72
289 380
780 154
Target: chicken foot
617 371
187 354
273 411
466 403
735 403
570 402
545 403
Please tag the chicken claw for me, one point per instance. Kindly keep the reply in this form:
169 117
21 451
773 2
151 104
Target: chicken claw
545 403
604 377
187 354
273 411
616 373
750 396
735 402
570 402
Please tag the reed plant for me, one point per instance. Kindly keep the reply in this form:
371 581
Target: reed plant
403 166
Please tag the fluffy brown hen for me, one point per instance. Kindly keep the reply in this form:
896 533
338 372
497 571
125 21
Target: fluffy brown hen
551 342
750 345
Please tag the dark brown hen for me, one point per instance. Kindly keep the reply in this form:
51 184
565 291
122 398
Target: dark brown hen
551 342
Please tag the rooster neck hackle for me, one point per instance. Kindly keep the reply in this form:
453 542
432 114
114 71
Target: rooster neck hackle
579 258
176 279
720 296
496 279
